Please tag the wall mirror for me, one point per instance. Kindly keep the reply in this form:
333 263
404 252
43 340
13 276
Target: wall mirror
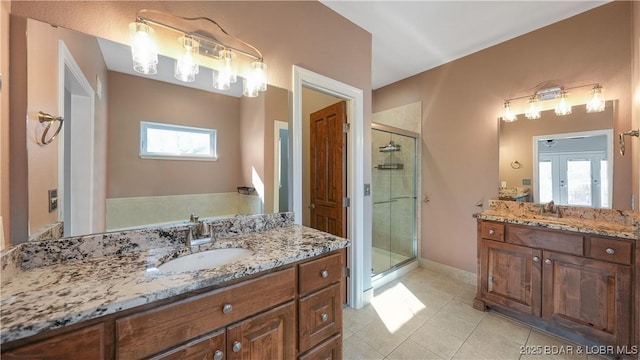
93 172
568 159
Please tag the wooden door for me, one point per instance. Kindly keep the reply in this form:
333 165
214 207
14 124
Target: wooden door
510 276
328 143
589 296
266 336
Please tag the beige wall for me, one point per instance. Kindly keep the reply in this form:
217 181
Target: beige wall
42 95
134 99
312 101
463 99
5 9
516 142
286 32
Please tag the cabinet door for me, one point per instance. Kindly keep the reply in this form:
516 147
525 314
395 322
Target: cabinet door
86 343
328 350
209 347
270 335
510 276
320 317
587 296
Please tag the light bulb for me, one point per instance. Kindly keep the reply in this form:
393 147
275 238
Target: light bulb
259 75
596 104
186 67
533 112
563 107
144 51
508 115
223 78
250 88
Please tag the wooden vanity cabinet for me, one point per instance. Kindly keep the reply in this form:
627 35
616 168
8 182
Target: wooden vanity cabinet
576 283
253 319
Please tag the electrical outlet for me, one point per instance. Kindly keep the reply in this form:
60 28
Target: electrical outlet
53 200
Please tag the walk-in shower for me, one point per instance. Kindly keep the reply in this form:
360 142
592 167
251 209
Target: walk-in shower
394 177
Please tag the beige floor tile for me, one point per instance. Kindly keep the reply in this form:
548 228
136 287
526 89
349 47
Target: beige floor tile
495 345
346 333
410 350
355 320
546 346
469 352
448 321
354 348
379 337
435 340
497 324
467 294
464 310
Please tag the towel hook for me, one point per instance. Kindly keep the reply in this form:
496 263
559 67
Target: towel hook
49 119
516 164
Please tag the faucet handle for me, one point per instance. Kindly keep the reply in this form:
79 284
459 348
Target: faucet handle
193 218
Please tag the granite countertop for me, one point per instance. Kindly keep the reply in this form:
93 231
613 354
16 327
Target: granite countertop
606 222
42 298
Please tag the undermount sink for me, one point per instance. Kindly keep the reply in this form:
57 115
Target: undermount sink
205 260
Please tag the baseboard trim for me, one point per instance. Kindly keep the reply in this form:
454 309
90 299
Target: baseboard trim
449 271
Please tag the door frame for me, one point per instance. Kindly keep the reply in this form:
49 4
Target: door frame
355 168
277 126
85 105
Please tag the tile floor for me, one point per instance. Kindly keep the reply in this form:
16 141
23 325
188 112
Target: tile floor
424 315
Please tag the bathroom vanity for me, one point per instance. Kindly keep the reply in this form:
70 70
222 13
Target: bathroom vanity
282 302
575 275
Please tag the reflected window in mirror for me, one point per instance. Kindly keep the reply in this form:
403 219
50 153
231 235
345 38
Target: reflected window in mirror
177 142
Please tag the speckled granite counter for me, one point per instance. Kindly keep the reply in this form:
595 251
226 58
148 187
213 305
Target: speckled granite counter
606 222
55 293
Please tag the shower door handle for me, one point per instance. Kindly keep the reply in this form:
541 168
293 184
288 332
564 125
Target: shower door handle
385 202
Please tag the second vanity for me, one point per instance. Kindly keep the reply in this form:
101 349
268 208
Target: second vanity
575 275
282 302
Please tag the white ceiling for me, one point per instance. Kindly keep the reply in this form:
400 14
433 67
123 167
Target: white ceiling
410 37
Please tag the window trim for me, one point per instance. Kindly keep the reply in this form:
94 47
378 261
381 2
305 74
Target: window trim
144 154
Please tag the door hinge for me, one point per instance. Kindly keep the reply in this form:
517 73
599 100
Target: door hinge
347 272
346 127
346 202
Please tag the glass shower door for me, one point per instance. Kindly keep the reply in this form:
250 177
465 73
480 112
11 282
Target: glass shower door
394 198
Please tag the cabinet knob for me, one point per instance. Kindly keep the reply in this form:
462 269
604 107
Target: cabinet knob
227 308
218 355
536 259
237 346
491 231
324 317
324 274
610 251
547 261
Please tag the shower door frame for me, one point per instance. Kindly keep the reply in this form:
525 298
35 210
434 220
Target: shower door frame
409 264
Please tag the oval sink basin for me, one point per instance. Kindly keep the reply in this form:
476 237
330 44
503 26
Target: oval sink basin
205 259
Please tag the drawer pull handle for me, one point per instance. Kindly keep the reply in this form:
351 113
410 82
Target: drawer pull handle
324 317
227 308
237 346
547 261
324 274
610 251
491 231
536 259
218 355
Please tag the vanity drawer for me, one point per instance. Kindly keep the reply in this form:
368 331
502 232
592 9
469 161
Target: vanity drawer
563 242
319 273
618 251
492 230
155 330
320 316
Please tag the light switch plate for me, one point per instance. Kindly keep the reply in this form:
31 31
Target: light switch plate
526 181
53 200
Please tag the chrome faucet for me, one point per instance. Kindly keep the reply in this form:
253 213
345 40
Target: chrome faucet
198 233
550 208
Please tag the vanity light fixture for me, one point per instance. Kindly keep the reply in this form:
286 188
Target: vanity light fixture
563 107
533 112
596 104
508 115
195 48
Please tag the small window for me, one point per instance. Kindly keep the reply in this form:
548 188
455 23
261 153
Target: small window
165 141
